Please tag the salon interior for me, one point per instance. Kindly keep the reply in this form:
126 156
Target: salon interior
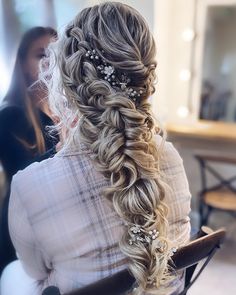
194 102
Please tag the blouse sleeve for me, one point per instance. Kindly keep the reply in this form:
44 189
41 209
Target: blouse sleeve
178 198
23 238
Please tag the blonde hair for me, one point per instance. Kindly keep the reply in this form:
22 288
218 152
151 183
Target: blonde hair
118 131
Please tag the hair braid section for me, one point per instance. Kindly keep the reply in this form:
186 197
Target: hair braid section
119 132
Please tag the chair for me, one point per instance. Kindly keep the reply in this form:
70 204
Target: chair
187 257
221 196
203 247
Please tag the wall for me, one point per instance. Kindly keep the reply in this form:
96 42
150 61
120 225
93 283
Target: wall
174 55
219 64
172 18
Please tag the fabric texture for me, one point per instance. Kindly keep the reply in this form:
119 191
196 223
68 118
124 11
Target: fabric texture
66 233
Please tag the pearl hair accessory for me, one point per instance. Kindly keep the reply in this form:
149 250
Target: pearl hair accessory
109 74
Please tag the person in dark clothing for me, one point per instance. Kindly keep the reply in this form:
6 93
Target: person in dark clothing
24 115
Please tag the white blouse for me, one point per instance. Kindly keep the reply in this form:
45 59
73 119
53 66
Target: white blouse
66 233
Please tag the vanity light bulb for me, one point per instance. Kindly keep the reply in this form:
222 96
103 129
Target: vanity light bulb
182 112
188 35
185 75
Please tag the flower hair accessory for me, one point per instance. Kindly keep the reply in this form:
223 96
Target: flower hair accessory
139 234
109 74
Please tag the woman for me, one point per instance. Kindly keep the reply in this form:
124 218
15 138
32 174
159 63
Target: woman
116 195
24 114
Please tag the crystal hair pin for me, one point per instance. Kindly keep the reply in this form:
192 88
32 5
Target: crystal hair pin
109 74
139 234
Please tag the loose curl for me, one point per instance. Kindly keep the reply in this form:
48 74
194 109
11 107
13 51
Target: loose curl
118 131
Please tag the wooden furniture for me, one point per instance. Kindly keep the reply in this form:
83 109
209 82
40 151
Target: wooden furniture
203 130
221 195
187 257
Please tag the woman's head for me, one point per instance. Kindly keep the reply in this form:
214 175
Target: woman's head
104 69
121 38
30 51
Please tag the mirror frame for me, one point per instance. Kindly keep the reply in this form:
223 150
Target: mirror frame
198 51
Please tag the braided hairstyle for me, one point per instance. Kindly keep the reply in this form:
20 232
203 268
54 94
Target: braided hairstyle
118 130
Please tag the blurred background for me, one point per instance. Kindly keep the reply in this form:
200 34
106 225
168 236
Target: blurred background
195 98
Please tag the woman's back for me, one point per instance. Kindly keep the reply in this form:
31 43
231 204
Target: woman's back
73 234
101 76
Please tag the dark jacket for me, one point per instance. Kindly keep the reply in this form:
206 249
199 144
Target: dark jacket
15 128
15 131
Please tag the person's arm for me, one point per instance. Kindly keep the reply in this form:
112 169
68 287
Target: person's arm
178 200
22 234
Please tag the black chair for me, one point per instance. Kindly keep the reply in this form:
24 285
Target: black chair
201 249
187 257
220 196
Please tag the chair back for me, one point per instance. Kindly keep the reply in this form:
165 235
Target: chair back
205 160
202 248
117 284
186 257
220 195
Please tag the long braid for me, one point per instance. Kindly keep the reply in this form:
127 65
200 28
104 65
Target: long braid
118 131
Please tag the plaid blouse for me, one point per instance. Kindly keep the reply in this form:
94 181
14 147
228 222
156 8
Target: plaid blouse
66 233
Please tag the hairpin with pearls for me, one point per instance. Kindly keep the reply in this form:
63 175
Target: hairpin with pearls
109 74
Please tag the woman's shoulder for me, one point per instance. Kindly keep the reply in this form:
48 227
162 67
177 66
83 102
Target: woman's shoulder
168 154
34 179
41 173
36 170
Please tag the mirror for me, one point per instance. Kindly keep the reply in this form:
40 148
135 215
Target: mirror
218 87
